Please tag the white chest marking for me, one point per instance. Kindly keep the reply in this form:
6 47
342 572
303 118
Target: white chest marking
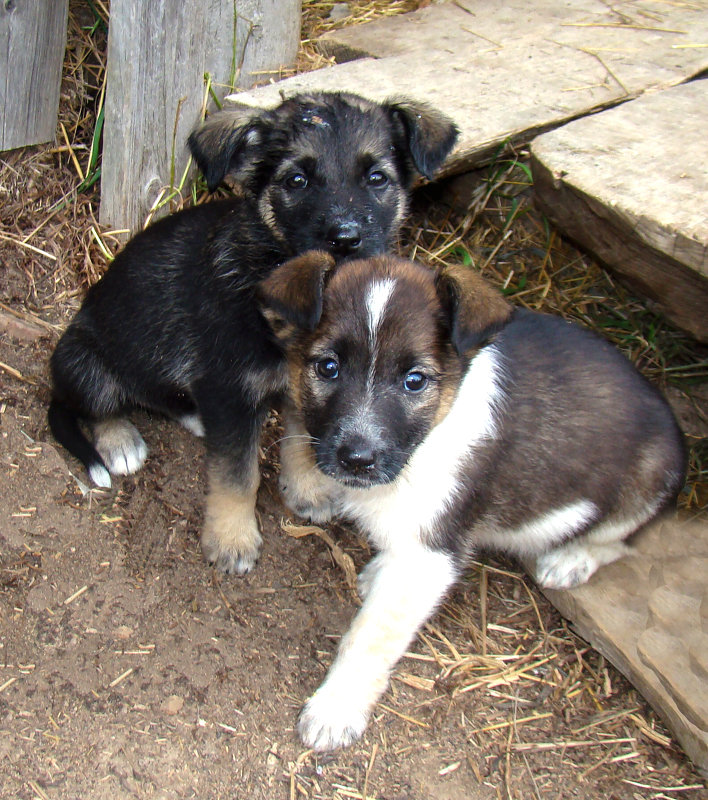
406 508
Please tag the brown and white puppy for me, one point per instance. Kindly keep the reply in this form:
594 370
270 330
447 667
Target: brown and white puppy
173 325
442 420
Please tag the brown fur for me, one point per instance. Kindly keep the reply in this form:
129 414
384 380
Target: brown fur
442 420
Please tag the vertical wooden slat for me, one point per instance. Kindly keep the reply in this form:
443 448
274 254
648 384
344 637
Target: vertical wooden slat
158 53
32 45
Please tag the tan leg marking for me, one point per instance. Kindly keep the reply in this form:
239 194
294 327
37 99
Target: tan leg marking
231 539
306 491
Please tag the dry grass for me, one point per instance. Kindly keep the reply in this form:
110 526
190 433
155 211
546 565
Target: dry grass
559 712
490 224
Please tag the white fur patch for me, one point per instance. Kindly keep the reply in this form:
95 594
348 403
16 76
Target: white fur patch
377 298
613 529
572 564
120 446
403 591
394 513
541 533
193 423
100 476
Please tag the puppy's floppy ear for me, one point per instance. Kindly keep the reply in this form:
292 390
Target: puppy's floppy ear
475 310
291 296
227 143
430 135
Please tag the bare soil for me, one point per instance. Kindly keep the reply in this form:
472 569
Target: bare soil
130 669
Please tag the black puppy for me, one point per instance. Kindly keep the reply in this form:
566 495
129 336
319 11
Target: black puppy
173 325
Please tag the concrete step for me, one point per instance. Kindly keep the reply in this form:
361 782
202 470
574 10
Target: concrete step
506 72
630 185
648 614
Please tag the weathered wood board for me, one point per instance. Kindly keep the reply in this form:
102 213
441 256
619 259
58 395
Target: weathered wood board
506 72
648 615
32 44
630 185
158 54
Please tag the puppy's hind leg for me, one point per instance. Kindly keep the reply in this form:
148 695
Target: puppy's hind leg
120 446
85 390
574 563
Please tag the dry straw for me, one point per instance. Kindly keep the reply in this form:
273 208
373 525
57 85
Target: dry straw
534 700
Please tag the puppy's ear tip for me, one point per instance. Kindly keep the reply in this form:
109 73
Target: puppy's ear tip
294 290
431 135
315 258
476 311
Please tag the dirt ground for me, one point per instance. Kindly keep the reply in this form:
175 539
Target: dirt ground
130 669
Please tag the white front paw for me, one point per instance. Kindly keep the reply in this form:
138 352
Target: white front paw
309 496
564 568
332 719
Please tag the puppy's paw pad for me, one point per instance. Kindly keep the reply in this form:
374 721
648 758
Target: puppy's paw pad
121 446
564 569
230 555
328 722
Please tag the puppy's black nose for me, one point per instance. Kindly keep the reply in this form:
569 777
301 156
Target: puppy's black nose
356 456
344 237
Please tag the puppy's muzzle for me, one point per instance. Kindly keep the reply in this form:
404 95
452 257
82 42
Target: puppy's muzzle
357 457
344 238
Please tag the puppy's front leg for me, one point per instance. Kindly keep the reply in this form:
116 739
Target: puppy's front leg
403 592
306 490
230 538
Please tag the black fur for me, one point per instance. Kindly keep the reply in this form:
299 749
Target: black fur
173 325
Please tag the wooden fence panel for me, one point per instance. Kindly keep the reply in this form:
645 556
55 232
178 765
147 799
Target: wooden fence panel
32 45
158 53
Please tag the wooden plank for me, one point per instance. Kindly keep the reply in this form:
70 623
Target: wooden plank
273 39
625 185
506 74
158 54
647 614
32 44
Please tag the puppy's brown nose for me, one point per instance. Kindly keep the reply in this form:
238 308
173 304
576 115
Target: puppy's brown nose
356 456
344 237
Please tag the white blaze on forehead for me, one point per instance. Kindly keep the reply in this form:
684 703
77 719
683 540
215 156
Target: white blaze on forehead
377 297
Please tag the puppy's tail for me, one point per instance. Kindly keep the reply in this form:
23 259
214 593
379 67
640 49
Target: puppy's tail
64 424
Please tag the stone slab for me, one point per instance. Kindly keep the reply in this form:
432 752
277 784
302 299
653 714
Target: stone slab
648 615
631 186
508 72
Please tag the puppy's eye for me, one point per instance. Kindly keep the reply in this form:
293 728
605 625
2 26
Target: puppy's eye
377 179
296 181
415 382
327 368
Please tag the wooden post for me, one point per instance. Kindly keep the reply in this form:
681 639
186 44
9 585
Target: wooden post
32 45
158 54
